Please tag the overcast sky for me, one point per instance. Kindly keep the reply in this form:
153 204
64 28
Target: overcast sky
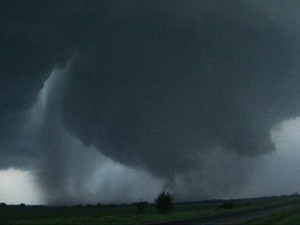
114 101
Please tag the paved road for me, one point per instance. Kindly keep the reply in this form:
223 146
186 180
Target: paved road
235 218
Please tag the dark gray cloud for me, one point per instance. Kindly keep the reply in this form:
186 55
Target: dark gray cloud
156 85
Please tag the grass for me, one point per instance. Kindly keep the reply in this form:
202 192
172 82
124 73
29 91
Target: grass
291 217
94 215
127 214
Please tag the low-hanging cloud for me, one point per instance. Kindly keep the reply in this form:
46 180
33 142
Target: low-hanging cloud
180 90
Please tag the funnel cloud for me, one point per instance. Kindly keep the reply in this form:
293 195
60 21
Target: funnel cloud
107 97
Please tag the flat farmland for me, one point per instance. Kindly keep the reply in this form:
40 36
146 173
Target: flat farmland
183 213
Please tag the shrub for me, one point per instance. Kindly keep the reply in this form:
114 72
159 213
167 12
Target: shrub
227 205
141 206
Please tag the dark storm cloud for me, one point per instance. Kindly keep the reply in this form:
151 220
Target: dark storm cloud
158 89
155 84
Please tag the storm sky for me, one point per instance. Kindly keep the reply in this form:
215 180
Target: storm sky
114 101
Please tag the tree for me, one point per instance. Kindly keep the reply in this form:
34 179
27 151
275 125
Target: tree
163 202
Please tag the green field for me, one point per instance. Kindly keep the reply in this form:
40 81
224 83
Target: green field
291 217
127 214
